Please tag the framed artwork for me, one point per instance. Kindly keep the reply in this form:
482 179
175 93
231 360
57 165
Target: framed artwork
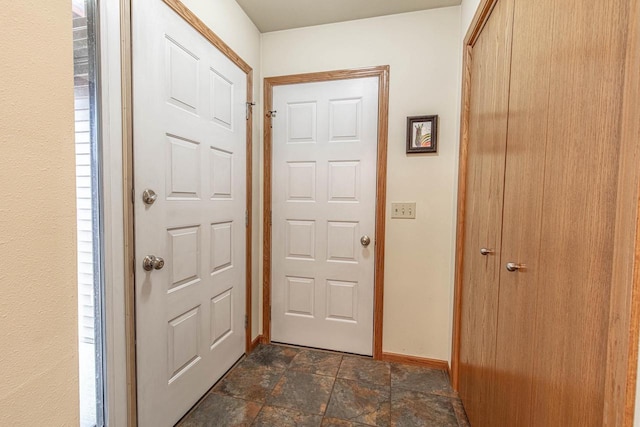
422 134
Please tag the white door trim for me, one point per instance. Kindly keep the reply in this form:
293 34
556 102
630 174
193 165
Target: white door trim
110 98
382 72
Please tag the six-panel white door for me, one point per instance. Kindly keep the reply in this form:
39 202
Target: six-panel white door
324 194
190 148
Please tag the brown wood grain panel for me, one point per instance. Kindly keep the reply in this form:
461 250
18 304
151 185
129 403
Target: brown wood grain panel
381 205
477 24
443 365
586 345
266 214
522 214
485 145
461 208
579 205
624 313
382 72
324 76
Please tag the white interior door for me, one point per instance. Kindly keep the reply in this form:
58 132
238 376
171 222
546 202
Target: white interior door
190 148
324 194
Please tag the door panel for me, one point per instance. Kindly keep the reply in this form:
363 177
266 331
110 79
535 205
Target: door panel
580 199
524 175
324 186
190 148
483 213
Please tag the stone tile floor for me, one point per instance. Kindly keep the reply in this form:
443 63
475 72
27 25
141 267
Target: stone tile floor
284 386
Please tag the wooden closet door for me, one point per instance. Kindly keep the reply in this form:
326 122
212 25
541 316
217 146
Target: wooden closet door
524 177
483 212
579 208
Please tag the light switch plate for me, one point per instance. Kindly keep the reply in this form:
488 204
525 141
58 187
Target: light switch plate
404 210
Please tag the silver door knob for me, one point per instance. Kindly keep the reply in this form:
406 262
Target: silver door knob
512 266
486 251
149 196
151 262
365 240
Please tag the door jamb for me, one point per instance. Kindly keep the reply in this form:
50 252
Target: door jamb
127 143
382 72
126 71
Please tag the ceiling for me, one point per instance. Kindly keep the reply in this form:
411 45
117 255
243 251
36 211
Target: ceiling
274 15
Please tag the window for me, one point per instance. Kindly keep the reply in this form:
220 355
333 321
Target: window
88 189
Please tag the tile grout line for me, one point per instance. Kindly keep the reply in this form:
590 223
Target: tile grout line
253 422
333 386
270 391
324 417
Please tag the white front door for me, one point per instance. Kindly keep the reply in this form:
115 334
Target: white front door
324 195
189 148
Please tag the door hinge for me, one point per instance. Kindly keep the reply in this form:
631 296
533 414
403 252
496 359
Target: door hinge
249 105
246 218
133 196
271 114
270 219
246 321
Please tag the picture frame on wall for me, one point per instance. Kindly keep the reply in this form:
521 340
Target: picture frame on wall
422 134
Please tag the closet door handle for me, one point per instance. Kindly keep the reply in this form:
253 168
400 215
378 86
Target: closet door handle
486 251
512 266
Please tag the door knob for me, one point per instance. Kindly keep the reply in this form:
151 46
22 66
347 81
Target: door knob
149 196
151 262
512 266
365 240
486 251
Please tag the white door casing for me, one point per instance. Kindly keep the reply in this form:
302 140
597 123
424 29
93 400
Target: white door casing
190 148
325 138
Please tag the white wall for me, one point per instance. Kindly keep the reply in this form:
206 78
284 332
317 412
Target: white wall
422 49
468 9
227 19
38 282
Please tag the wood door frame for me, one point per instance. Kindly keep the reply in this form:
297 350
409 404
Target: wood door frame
382 73
126 29
624 305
